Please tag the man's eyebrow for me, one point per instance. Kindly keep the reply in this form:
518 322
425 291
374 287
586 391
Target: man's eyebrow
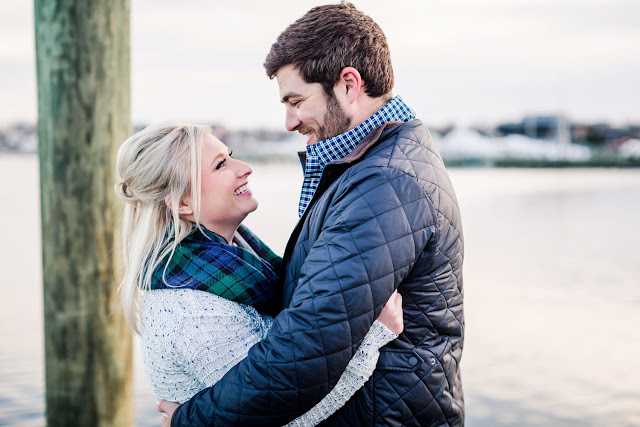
285 98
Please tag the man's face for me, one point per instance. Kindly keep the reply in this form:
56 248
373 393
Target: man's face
309 110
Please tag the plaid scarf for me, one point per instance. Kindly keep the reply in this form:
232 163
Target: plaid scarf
244 275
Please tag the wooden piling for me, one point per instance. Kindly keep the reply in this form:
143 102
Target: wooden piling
83 72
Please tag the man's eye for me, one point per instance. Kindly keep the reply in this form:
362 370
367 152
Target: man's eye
295 103
220 165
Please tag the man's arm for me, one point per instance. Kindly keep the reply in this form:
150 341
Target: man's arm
357 373
372 235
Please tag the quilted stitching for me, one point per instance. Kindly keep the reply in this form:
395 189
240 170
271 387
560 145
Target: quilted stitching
443 309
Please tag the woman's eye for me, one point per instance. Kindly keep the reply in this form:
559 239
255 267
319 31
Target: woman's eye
220 165
294 104
230 153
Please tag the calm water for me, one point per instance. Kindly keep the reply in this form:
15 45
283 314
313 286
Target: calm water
552 292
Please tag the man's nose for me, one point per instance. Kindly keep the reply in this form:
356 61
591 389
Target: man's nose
291 121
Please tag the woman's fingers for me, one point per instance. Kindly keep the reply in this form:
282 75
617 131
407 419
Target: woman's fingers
167 408
391 315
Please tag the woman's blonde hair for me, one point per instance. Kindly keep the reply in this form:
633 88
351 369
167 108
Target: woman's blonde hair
157 168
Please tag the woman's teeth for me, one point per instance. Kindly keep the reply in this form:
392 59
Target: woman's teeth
242 189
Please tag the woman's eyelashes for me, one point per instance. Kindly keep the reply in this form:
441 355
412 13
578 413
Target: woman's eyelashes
222 162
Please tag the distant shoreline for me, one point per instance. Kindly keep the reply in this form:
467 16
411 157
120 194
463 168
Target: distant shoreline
604 162
594 162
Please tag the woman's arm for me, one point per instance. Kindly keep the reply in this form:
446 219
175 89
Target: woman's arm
385 329
192 338
217 336
357 373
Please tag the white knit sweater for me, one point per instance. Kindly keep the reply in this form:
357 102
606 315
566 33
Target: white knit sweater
190 339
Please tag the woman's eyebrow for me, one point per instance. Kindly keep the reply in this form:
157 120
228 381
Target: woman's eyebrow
215 159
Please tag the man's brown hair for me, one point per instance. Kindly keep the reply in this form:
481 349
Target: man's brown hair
329 38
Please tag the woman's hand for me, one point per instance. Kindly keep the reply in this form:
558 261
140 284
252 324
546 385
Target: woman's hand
167 409
391 315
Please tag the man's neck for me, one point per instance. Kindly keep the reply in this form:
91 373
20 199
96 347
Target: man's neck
368 107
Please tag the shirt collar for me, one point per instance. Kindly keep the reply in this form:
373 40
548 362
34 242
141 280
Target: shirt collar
324 152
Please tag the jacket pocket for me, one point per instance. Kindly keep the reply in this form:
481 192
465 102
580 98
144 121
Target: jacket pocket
399 360
405 383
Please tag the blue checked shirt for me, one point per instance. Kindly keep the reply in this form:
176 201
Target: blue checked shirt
324 152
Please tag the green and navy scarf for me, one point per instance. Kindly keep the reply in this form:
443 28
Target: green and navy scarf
245 274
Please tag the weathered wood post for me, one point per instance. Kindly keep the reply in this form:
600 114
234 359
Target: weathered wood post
83 69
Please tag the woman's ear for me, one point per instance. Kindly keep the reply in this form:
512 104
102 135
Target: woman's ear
184 208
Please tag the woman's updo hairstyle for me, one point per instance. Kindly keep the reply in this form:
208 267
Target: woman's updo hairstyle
157 168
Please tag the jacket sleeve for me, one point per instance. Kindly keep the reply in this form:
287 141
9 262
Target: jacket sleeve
372 232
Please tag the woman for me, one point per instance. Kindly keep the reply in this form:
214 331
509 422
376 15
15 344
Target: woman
198 287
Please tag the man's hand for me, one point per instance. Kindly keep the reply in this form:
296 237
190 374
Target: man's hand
167 408
391 315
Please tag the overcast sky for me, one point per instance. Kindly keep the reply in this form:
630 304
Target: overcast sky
462 61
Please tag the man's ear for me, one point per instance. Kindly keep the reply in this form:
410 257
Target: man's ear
184 208
352 81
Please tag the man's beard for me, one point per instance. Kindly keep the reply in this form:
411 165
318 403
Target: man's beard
334 122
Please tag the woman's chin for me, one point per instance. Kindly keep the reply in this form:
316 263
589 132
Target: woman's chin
250 209
253 206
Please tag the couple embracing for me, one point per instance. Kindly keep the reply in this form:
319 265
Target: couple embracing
361 321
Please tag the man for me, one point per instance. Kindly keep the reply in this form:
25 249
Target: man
378 213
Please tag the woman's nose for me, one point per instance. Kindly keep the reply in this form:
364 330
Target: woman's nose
243 169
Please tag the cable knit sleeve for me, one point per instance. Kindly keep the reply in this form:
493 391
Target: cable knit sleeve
192 338
215 338
353 378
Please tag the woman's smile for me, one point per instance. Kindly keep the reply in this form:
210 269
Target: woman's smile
243 190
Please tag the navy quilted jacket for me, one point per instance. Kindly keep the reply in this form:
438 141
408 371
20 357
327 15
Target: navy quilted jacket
383 218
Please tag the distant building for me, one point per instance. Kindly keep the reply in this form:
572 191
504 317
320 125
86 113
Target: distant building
630 148
549 128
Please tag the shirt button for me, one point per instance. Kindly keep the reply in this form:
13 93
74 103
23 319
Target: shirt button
413 361
432 360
